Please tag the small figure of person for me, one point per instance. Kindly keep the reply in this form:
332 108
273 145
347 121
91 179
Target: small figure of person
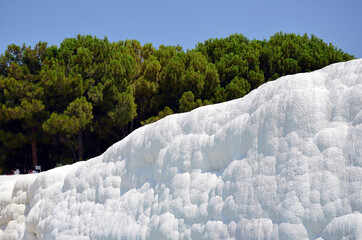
16 172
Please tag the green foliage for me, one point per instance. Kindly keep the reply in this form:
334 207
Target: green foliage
187 102
231 66
165 112
76 117
212 81
237 88
22 99
12 140
290 53
80 111
145 96
171 78
125 109
152 69
88 92
59 123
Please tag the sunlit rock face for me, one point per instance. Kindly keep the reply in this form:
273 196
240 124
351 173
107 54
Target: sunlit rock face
284 162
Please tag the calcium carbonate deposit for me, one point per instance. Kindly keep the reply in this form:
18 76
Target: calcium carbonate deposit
284 162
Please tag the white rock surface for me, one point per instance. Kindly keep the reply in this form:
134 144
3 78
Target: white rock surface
284 162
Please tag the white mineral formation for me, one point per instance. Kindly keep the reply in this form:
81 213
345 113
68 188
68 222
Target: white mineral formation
284 162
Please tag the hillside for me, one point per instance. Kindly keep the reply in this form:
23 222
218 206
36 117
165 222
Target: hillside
283 162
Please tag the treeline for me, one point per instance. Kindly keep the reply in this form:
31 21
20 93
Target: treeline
68 103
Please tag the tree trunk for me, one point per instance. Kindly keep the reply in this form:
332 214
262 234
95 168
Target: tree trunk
34 153
80 145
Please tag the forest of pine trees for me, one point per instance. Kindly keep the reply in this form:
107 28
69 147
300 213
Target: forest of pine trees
62 104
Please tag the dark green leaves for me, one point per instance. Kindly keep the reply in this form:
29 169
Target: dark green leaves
88 92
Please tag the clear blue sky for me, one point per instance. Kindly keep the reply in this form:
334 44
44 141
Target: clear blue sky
179 22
